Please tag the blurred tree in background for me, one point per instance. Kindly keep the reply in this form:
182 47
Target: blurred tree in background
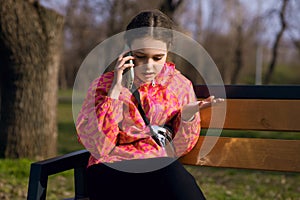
87 23
251 42
283 25
239 35
29 57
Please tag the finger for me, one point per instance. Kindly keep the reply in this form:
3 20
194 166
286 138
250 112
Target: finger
123 61
124 56
209 99
125 66
119 62
214 100
127 58
219 100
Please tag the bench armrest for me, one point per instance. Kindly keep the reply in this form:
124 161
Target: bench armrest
39 172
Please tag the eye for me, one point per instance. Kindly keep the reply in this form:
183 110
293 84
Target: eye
157 58
140 56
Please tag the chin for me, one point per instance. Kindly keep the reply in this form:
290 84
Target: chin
148 80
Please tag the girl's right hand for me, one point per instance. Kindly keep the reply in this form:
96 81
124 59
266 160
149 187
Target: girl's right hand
120 66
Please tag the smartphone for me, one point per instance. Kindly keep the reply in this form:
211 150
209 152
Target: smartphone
129 73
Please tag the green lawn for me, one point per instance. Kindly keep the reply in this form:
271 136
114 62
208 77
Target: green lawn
67 140
216 183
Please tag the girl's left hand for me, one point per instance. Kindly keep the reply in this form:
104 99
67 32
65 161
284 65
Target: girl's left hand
189 110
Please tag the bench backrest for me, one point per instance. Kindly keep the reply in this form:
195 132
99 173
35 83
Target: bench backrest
263 108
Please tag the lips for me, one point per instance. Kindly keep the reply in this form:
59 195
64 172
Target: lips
149 74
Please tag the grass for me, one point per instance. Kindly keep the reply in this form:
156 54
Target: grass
216 183
258 134
67 140
232 184
13 178
14 181
14 173
282 75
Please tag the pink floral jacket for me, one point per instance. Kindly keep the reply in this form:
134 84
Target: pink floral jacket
113 129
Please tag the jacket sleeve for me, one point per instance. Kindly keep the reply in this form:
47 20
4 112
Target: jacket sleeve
186 132
97 122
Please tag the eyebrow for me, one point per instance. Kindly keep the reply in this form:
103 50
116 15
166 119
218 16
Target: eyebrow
141 52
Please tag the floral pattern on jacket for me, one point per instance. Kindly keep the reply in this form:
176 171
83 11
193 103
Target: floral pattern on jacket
113 129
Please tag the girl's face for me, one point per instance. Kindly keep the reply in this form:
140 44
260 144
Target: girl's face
150 56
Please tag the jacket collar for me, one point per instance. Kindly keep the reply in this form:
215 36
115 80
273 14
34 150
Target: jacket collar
163 78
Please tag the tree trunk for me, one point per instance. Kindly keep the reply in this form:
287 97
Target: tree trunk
277 41
169 7
238 56
30 36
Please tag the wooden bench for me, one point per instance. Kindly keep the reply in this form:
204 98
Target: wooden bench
262 108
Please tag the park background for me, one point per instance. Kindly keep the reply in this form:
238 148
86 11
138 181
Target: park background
43 43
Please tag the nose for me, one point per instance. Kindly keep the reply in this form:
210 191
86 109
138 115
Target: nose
149 63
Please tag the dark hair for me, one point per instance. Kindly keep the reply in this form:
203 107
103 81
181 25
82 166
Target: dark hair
147 20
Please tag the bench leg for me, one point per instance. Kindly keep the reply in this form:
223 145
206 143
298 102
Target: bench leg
37 186
80 183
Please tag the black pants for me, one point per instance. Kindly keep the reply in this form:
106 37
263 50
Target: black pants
172 182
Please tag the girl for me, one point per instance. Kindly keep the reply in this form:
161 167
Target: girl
127 131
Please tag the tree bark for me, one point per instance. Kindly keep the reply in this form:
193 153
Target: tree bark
30 36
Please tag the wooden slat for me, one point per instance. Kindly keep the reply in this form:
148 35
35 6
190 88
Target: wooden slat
247 153
256 114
